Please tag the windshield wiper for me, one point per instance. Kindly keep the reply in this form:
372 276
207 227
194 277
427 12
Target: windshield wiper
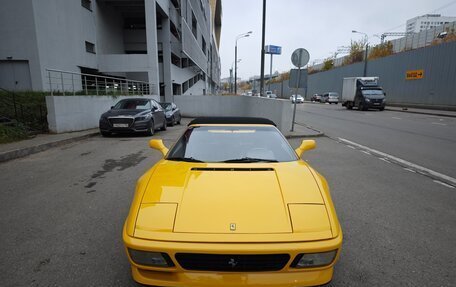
187 159
250 159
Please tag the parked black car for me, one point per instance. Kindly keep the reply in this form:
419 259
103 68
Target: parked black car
133 115
172 113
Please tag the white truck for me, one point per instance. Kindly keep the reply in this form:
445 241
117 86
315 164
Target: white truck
363 93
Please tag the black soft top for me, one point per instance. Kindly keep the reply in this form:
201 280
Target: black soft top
231 120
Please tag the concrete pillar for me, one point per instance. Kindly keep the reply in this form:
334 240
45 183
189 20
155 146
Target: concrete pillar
166 40
152 49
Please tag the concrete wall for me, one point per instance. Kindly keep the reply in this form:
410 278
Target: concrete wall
279 111
436 90
76 113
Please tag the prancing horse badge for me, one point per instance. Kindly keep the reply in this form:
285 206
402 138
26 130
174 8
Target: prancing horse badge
233 226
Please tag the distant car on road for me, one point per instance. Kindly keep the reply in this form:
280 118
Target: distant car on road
172 113
133 115
299 99
272 96
331 97
316 98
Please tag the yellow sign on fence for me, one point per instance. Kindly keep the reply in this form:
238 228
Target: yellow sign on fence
414 75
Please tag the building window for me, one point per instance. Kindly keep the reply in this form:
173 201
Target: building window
87 4
175 60
203 46
194 26
90 47
174 30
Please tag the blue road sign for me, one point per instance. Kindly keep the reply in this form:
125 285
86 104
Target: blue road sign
271 49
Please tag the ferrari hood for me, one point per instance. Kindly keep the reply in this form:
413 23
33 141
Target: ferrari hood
238 198
226 201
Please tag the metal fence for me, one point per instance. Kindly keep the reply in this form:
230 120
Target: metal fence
437 88
30 110
413 41
72 83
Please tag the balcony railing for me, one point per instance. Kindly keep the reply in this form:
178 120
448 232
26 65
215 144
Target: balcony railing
71 83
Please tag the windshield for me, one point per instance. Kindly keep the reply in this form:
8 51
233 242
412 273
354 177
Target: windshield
334 95
368 93
166 106
132 105
232 144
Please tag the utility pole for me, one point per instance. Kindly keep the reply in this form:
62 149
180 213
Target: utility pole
263 35
270 75
231 80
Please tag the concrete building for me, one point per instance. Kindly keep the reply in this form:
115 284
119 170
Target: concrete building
171 44
428 21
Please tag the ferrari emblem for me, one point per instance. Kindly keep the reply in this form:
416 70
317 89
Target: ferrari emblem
232 226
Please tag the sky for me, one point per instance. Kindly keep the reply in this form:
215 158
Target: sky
320 26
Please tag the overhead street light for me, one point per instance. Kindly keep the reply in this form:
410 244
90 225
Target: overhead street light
367 50
231 75
243 35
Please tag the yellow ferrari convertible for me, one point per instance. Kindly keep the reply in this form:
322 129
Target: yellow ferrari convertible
232 204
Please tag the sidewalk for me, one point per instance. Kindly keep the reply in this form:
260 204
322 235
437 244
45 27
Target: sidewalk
440 113
41 143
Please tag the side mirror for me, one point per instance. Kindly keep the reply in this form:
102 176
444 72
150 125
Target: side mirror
305 146
158 145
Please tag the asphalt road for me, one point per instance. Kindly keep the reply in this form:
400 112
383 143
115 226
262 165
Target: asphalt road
62 211
429 141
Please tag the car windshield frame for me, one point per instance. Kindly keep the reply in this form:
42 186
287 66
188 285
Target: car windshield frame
124 104
232 144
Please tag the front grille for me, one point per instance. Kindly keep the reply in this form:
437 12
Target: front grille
232 262
128 121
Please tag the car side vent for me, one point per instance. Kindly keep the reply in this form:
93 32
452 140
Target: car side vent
232 169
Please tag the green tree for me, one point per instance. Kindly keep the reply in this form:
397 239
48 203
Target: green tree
328 64
381 51
356 52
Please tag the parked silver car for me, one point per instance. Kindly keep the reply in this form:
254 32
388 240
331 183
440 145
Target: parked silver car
331 97
298 98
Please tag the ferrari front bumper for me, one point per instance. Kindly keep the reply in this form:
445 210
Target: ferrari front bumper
178 276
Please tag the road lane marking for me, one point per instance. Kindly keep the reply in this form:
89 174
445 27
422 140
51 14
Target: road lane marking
352 147
440 124
385 159
410 165
444 184
409 169
396 118
366 152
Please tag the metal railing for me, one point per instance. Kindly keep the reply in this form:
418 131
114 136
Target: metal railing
72 83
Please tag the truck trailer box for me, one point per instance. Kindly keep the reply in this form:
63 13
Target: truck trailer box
350 85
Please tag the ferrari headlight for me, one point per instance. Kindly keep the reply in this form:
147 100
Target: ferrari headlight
154 259
307 260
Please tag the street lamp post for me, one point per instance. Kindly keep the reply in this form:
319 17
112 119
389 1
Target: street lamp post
367 51
244 35
231 74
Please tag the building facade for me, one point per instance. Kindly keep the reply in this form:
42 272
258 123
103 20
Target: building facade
171 44
428 21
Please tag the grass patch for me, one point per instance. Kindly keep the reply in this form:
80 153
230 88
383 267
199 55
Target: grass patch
12 132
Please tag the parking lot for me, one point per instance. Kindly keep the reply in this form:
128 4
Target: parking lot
62 212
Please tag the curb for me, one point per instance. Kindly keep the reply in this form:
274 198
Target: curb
18 153
421 113
318 133
305 136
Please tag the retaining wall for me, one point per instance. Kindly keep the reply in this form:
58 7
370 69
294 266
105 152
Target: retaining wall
76 113
277 110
